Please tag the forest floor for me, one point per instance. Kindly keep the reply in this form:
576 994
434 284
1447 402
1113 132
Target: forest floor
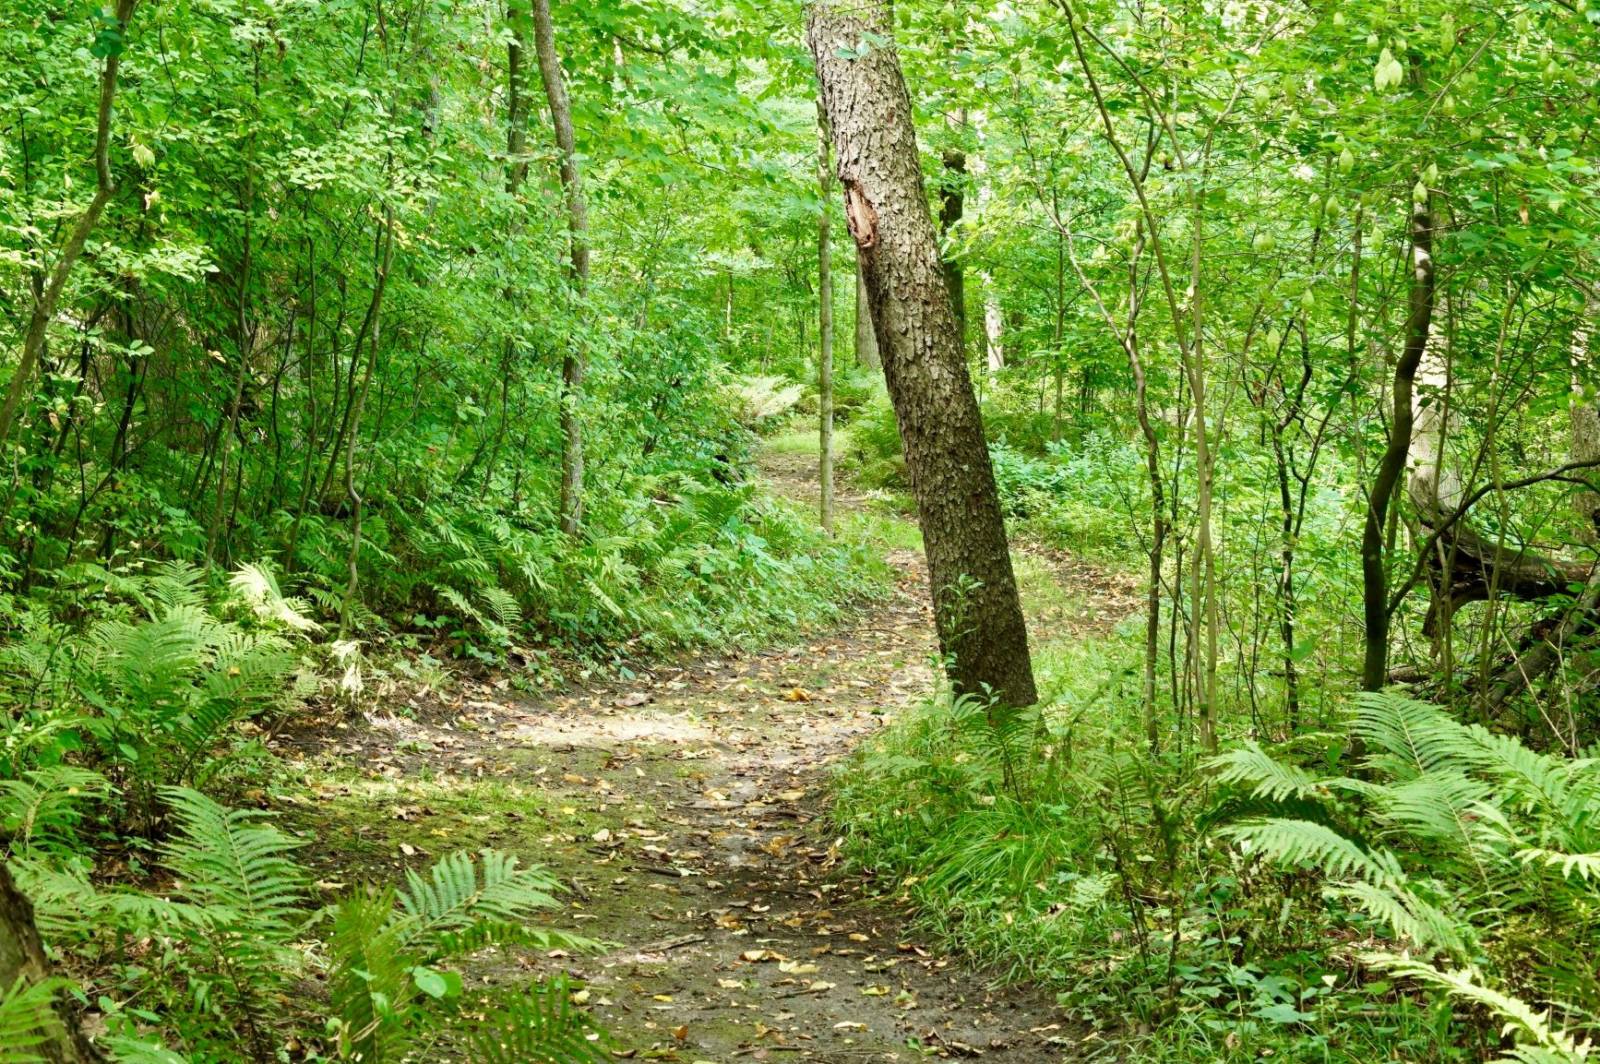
685 810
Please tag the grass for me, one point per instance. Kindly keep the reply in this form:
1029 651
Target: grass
803 441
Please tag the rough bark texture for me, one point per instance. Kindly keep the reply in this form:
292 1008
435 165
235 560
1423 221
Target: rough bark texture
22 958
866 339
976 610
573 364
1374 577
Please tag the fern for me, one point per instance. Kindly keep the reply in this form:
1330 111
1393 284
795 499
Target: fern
1304 843
459 893
235 865
384 942
1501 840
257 585
1548 1043
42 808
542 1026
370 987
1265 777
27 1014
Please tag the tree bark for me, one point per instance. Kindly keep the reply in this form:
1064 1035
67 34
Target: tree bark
977 613
824 330
574 363
23 964
44 308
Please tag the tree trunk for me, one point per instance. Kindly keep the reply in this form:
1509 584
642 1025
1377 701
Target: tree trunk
23 964
994 322
976 609
952 203
574 362
1374 576
44 307
1585 416
824 330
866 339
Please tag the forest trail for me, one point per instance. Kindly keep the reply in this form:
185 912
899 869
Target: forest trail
684 809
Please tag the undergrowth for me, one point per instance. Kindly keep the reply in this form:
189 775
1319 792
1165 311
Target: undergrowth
1437 903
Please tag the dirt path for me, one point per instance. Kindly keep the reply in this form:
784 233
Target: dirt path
685 810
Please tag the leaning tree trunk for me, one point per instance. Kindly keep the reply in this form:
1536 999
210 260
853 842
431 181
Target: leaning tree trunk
22 965
976 610
573 364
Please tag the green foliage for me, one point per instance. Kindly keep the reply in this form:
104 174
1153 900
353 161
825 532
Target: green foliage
388 990
235 931
544 1025
1491 841
25 1018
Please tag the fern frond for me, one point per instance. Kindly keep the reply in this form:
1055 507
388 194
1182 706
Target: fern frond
229 860
125 1049
542 1026
42 807
503 605
370 985
1410 917
1584 866
1407 737
256 584
459 892
27 1014
1265 776
66 904
487 933
1520 1018
1301 842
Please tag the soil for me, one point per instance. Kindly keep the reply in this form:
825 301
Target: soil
686 811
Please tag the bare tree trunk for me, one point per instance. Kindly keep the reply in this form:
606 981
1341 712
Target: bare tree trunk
976 609
23 964
952 204
994 322
1585 415
1374 576
573 364
824 329
383 255
44 307
866 339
